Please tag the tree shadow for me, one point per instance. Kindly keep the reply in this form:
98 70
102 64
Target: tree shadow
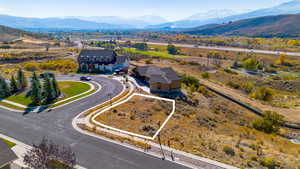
29 109
40 108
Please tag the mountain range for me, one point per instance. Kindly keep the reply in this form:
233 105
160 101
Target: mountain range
136 22
212 17
267 26
292 7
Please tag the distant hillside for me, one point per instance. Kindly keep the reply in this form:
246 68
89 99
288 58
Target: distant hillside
269 26
136 22
53 23
224 16
9 34
79 23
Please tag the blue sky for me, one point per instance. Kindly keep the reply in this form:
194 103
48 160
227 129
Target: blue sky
170 9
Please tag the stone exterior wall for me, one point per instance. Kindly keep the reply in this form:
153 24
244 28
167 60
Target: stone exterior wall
84 67
95 68
162 87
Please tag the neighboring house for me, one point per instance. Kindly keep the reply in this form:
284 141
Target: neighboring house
7 156
102 60
159 79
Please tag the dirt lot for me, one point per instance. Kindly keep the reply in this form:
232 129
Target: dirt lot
139 115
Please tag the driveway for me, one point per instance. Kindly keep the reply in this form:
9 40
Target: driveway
91 152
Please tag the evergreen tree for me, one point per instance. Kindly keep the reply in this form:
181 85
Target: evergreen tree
48 90
173 50
4 88
35 77
55 87
22 80
14 86
36 91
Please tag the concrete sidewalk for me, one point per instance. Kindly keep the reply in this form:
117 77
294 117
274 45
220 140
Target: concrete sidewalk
20 150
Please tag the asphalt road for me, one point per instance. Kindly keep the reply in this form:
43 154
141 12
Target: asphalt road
91 152
227 49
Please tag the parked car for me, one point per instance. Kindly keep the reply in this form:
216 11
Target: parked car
50 74
119 72
85 78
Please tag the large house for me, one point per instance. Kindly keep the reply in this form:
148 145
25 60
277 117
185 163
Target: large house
159 79
102 60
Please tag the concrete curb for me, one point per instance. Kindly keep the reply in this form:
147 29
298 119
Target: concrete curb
10 109
20 149
99 88
22 106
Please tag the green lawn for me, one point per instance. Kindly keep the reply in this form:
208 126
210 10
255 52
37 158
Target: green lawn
75 98
68 88
20 98
10 144
161 54
71 89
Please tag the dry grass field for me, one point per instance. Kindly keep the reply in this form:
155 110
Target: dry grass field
209 126
140 115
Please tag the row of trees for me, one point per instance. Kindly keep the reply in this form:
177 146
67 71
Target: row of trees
40 92
172 49
47 92
62 65
16 85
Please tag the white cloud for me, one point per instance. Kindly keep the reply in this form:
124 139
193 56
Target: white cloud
4 10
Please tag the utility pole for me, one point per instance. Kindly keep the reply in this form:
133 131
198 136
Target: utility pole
159 140
110 95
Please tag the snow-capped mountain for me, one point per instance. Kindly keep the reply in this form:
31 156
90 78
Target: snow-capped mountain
292 7
217 13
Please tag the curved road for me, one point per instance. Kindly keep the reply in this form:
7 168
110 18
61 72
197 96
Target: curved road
91 152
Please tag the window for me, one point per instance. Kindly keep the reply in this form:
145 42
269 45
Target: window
159 86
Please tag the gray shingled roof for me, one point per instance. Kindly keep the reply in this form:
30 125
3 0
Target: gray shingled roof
158 74
98 52
91 55
6 154
121 59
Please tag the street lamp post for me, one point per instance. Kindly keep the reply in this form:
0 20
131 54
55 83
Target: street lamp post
172 155
110 98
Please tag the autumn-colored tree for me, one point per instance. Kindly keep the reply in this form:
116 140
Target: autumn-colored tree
48 155
282 59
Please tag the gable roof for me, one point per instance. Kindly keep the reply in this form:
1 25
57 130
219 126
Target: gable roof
158 74
97 53
6 154
101 56
121 59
